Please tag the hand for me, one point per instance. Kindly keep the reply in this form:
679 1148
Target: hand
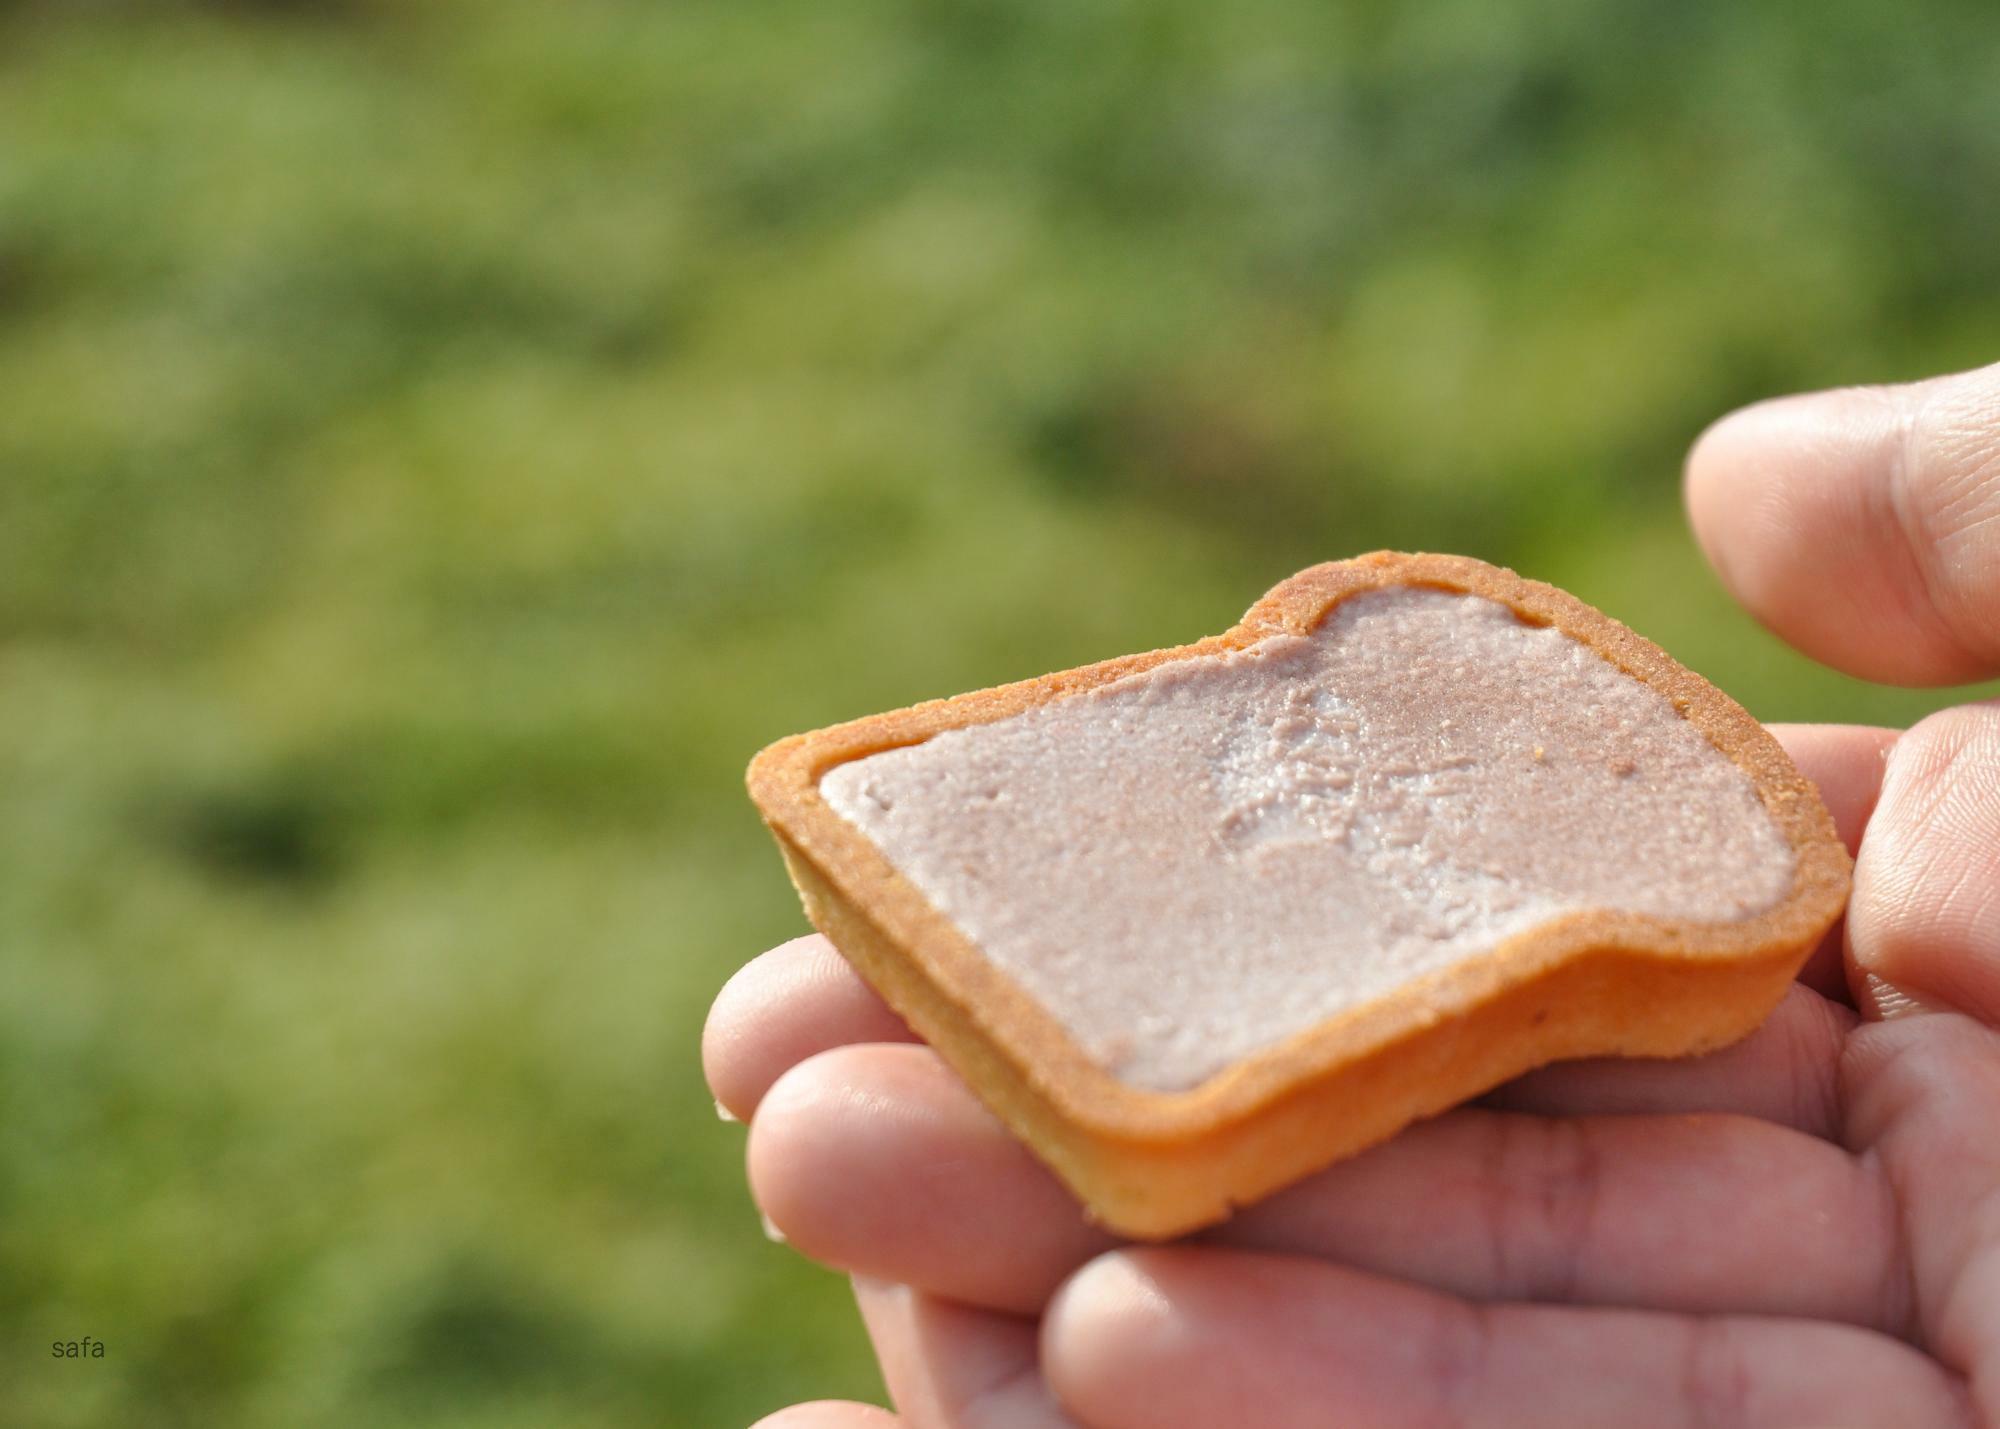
1802 1229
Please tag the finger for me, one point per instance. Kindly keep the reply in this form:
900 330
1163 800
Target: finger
1787 1071
829 1414
1925 1095
1180 1337
954 1367
876 1159
1923 926
1845 761
1863 525
779 1009
1688 1213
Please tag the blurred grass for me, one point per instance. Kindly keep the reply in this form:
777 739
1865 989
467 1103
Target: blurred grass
439 444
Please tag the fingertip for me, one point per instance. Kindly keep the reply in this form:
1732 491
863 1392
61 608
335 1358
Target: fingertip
1858 523
1165 1336
797 1000
1106 1330
1111 1286
1716 486
1735 484
1921 930
798 1131
829 1414
880 1161
1790 502
720 1033
734 1018
853 1150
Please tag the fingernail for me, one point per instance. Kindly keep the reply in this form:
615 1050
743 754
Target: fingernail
771 1231
723 1113
1886 1002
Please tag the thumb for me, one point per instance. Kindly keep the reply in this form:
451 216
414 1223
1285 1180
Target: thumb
1923 927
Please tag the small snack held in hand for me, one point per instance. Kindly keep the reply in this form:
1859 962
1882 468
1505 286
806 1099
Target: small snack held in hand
1197 922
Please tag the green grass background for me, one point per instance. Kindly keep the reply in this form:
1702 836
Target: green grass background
439 443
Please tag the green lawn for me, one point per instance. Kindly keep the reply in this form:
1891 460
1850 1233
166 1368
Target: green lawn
439 444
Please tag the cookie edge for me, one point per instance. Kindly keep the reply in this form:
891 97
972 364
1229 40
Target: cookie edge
1152 1164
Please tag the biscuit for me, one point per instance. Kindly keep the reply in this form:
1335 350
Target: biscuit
1197 922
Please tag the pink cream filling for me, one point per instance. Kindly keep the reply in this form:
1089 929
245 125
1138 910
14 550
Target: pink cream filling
1191 864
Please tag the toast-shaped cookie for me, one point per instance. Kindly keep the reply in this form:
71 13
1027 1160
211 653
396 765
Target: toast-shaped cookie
1197 922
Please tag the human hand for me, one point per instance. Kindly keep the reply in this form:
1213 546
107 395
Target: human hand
1801 1229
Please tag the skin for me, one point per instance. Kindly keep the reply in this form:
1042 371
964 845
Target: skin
1803 1229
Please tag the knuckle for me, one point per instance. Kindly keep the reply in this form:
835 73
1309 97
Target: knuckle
1546 1189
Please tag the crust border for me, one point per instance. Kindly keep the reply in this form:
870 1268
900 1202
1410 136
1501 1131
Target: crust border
1152 1164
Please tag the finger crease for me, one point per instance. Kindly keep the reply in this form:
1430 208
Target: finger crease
1813 1065
1568 1193
1896 1289
1459 1359
1715 1380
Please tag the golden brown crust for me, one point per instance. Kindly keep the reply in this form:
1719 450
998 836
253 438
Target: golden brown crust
1153 1164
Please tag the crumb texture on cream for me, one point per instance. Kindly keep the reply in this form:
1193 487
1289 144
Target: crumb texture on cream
1193 863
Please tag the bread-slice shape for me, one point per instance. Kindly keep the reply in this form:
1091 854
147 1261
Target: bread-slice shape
1197 922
